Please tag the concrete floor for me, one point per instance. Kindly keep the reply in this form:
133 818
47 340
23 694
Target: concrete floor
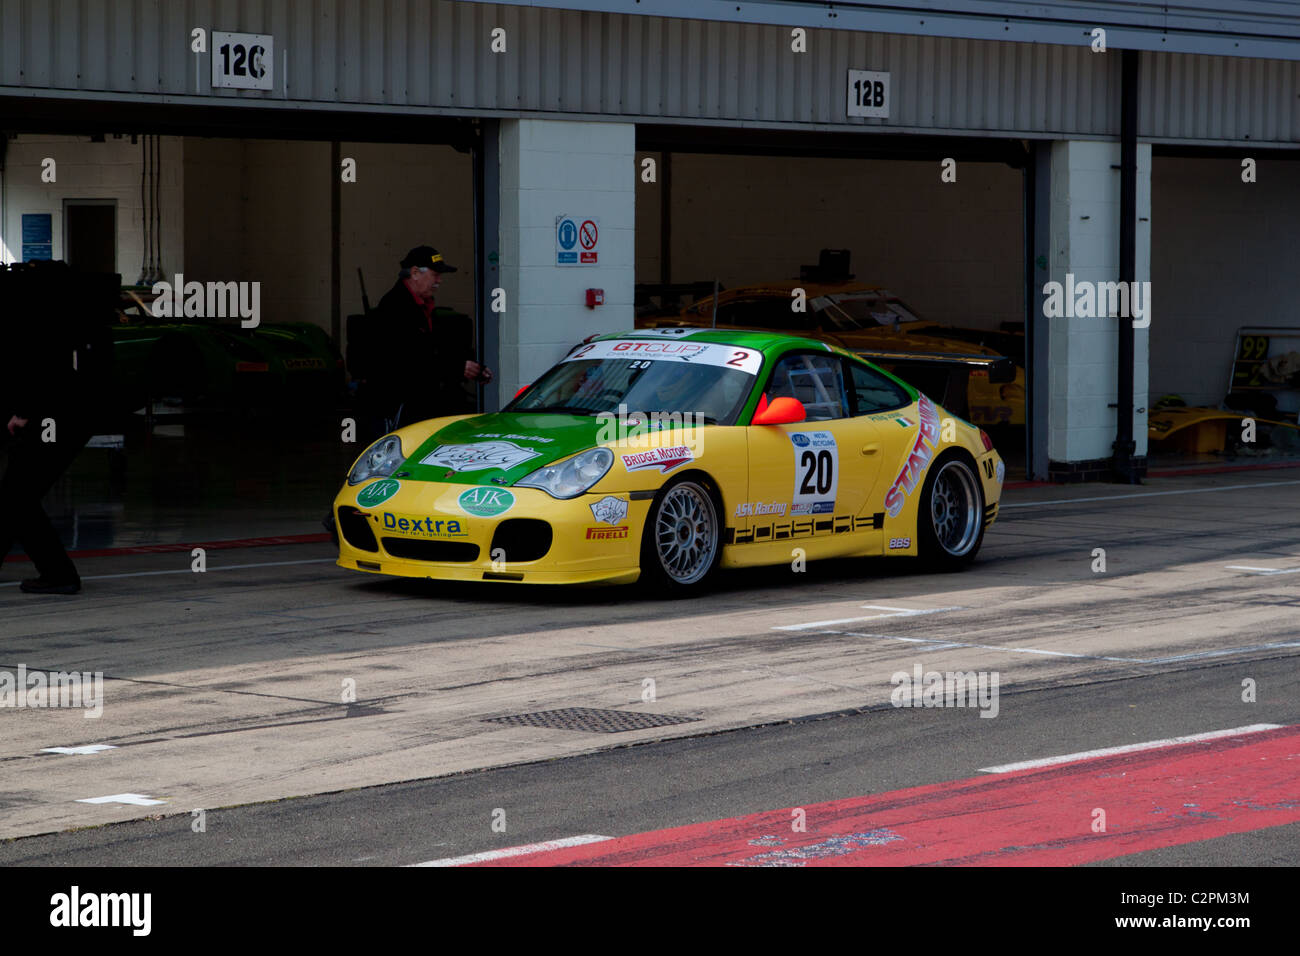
227 687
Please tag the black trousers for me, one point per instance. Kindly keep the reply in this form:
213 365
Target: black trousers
33 468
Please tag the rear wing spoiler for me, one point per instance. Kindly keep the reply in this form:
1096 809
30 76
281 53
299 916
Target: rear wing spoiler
944 376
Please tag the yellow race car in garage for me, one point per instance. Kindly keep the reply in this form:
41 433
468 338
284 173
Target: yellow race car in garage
664 455
869 320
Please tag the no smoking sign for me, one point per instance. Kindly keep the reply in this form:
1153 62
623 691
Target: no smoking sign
577 240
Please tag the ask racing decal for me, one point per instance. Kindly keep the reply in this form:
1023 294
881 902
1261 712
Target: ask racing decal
923 450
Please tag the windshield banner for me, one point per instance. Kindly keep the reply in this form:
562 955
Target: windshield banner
698 353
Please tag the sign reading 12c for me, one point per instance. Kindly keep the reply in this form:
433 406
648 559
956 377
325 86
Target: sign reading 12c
243 61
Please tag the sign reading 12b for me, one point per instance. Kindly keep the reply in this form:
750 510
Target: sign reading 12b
868 94
243 61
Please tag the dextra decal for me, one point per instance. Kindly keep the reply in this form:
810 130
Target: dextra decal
664 459
923 449
425 527
481 455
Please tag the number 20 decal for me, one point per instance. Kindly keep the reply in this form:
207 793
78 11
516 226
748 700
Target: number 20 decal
820 471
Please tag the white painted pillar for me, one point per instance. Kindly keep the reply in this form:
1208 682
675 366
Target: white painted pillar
1084 350
553 168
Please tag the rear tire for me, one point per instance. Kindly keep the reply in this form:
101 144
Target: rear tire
950 521
682 540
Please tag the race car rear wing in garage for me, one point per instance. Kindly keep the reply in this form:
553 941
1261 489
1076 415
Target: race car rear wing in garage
943 376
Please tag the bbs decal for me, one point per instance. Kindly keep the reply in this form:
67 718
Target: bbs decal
899 544
816 473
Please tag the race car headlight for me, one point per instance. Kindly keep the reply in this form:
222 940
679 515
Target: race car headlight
570 478
378 461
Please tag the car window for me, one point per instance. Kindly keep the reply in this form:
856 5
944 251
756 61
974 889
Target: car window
873 392
760 312
815 380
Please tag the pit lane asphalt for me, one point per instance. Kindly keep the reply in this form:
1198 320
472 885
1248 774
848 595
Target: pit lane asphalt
223 688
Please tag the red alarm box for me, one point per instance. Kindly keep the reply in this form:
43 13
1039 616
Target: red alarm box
595 297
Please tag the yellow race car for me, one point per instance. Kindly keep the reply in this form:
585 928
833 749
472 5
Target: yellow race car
869 320
664 455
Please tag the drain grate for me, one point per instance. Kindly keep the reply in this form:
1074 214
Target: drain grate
590 720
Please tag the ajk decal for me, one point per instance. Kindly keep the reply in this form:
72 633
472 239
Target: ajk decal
923 449
487 454
486 502
424 527
378 492
748 509
609 510
663 459
602 534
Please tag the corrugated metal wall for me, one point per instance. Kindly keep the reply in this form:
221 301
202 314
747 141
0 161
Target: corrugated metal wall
392 54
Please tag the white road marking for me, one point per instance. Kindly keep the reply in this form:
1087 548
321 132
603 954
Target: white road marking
187 570
134 799
1221 653
1247 567
938 643
1147 494
517 851
1128 748
84 749
897 612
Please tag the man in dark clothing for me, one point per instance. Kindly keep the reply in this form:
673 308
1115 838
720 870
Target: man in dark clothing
56 360
413 367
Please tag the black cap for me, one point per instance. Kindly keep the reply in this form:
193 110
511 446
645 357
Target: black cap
428 257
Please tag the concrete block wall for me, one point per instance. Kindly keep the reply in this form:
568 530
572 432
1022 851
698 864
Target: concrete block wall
953 251
88 170
1225 256
1084 351
551 168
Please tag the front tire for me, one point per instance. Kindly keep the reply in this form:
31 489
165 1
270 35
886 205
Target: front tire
682 541
950 521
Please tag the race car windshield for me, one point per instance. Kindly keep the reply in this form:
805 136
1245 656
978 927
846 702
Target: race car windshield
592 386
848 313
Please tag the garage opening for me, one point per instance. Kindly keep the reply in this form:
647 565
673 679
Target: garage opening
905 244
233 427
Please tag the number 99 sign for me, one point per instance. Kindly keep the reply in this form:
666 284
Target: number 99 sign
242 61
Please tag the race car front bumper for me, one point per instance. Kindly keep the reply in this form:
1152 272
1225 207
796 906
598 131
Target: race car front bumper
424 531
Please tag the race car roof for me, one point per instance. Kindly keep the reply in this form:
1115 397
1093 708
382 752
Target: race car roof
769 343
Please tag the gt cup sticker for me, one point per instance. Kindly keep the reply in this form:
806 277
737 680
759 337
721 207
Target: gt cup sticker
609 510
816 473
486 502
378 492
664 459
923 449
699 353
485 454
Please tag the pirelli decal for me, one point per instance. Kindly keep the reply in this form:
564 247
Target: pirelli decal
805 528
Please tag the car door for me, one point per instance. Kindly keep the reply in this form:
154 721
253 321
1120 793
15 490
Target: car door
810 482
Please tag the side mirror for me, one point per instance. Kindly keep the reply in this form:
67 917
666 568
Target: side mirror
782 411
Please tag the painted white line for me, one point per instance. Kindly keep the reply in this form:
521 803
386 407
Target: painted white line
938 643
85 749
186 570
897 612
134 799
1221 653
1247 567
517 851
1147 494
1128 748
